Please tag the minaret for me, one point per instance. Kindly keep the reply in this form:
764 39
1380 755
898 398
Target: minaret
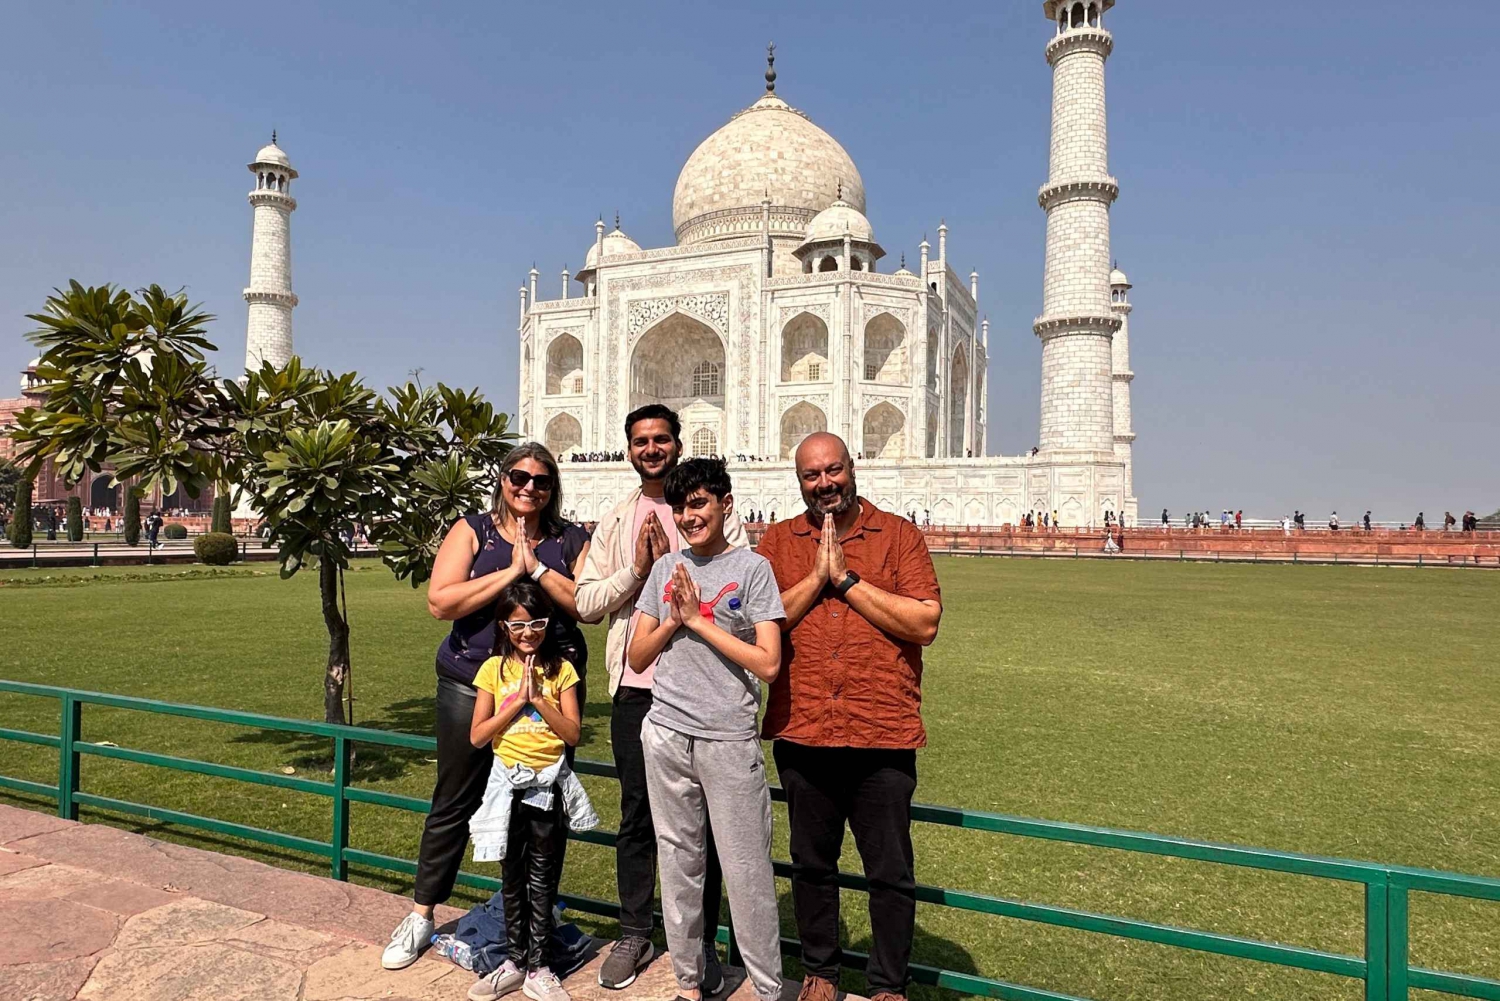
268 330
1119 296
1076 322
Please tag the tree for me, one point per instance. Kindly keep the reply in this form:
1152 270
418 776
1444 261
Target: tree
221 521
10 475
20 519
126 382
130 521
75 520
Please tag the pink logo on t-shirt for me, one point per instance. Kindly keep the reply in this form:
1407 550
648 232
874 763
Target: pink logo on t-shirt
705 608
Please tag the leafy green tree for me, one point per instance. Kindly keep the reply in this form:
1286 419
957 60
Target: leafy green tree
10 475
20 517
75 520
127 383
130 521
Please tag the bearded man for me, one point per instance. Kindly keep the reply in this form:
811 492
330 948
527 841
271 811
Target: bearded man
626 542
861 601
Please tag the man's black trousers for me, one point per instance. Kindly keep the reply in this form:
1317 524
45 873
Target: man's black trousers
870 790
635 846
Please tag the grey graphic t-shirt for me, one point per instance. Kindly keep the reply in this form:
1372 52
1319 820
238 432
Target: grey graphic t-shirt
699 691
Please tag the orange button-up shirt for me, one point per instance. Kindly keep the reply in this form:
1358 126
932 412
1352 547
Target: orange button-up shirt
843 682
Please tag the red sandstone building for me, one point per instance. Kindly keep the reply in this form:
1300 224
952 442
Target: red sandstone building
95 490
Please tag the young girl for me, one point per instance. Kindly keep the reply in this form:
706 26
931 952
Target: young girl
527 705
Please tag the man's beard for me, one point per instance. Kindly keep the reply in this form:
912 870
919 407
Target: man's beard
640 468
832 503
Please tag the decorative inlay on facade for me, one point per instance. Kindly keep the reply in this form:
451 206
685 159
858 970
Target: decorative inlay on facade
548 305
553 333
819 400
575 412
900 314
710 307
663 253
818 309
873 400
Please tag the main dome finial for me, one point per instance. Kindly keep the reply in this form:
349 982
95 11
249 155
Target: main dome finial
771 68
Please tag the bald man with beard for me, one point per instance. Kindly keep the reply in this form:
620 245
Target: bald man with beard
862 600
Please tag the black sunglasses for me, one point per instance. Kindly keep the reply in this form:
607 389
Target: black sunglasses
520 477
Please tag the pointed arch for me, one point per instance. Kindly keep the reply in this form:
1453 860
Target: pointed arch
884 432
564 366
799 422
564 434
885 349
804 349
958 401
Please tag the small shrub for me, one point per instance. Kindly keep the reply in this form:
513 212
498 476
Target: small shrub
174 531
20 518
217 549
130 524
75 520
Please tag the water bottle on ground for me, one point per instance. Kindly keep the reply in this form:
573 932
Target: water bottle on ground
454 951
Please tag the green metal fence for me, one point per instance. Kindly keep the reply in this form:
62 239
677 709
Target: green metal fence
1384 968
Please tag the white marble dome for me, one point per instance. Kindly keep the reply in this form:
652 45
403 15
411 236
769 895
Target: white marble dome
272 153
615 242
1117 277
769 148
836 220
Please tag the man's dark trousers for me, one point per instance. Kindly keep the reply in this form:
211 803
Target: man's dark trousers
870 790
635 845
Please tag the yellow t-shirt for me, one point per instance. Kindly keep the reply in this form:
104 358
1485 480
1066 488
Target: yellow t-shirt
528 740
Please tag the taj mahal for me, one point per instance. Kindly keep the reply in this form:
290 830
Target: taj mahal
778 314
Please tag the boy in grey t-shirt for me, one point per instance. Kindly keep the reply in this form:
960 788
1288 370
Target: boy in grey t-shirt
709 613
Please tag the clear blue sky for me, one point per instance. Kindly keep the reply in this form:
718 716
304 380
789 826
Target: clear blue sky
1306 210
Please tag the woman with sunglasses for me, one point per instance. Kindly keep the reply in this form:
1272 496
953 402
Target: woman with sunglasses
523 535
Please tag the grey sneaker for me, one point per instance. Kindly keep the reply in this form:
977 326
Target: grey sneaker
713 973
497 983
625 961
407 942
543 985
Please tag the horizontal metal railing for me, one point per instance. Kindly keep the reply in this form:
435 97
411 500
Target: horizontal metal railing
1384 968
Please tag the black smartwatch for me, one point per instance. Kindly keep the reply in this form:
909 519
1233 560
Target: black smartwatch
842 587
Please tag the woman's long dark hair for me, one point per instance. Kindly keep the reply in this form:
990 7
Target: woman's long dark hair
527 594
550 521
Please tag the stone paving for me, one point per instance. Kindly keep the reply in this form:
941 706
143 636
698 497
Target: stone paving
93 912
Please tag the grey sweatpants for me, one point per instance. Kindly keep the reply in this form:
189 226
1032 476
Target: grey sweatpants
690 779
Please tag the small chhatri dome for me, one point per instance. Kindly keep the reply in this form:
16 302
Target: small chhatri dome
836 220
902 270
615 242
768 150
272 153
1117 277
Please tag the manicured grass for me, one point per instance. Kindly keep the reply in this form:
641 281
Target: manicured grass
1334 710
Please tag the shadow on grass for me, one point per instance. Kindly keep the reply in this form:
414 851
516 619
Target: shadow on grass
927 950
372 762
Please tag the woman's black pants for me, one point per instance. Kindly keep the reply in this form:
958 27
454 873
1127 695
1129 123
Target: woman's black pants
535 848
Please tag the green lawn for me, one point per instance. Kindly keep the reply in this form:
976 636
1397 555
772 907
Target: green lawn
1334 710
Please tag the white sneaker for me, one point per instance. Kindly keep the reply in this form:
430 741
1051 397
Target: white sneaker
543 985
407 942
497 984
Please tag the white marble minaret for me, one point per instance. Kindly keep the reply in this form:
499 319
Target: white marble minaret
1119 301
1077 322
268 333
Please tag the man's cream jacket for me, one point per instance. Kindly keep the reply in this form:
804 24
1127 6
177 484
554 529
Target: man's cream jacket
607 582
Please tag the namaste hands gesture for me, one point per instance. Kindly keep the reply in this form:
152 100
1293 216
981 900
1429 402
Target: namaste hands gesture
685 608
829 566
651 544
523 551
529 689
